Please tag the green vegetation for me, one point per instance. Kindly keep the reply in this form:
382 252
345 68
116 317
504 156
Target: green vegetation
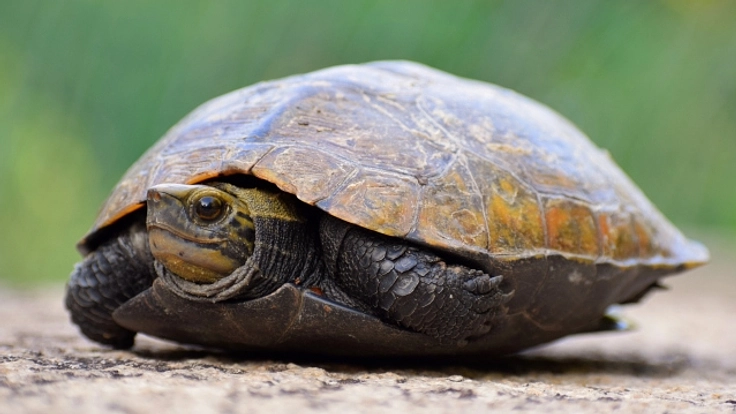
87 86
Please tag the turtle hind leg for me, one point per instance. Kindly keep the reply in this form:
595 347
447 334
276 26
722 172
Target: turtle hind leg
108 277
411 287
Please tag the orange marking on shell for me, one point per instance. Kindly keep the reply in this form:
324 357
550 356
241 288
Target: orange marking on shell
646 245
508 187
603 224
515 220
618 240
451 211
571 228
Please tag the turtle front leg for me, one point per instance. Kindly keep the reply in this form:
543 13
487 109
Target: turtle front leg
115 272
409 286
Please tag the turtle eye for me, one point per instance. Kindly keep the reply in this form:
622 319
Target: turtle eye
209 208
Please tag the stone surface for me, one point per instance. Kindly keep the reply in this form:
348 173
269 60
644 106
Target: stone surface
682 358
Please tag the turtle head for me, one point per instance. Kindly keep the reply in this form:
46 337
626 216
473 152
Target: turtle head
200 233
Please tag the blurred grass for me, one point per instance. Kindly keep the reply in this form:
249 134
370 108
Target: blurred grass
87 86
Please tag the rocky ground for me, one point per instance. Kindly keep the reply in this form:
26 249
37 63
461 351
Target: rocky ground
681 359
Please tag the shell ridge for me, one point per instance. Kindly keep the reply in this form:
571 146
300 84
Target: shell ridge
452 137
543 217
263 128
335 155
386 113
415 132
544 250
338 188
454 150
461 159
260 158
420 197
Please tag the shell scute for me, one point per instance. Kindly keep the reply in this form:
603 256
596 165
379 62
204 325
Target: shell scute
451 212
514 216
571 228
618 240
378 200
359 126
310 175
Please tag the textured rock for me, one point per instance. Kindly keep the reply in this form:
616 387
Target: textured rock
681 359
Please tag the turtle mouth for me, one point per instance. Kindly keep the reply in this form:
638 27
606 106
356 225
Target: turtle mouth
151 225
189 259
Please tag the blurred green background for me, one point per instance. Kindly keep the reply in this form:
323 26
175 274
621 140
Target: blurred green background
87 86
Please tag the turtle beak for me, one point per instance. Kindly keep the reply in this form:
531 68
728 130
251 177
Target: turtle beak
177 191
165 200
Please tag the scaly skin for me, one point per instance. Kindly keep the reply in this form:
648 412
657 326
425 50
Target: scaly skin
118 270
411 287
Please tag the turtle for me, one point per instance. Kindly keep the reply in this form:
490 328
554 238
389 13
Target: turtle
377 209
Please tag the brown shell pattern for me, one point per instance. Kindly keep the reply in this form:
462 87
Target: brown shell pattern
413 152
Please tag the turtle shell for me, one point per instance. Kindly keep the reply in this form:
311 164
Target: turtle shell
408 151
